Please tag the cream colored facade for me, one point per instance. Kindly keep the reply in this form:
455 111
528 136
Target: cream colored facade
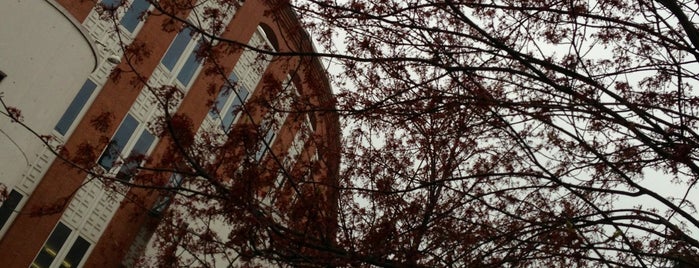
45 55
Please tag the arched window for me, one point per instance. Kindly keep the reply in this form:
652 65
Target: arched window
271 37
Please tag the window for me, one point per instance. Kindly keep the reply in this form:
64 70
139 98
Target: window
176 48
189 67
9 206
232 113
75 107
276 119
229 112
111 3
52 249
181 58
223 95
76 253
144 142
52 246
221 100
116 145
269 136
164 201
131 18
2 76
124 141
159 206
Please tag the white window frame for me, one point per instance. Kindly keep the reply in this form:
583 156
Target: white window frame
119 15
126 149
171 75
65 247
79 116
247 75
13 215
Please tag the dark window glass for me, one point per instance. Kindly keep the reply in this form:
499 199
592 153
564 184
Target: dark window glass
131 17
263 148
227 120
52 246
75 107
122 136
144 142
176 48
76 253
111 3
9 206
175 180
240 98
220 101
189 67
160 205
164 201
223 95
232 113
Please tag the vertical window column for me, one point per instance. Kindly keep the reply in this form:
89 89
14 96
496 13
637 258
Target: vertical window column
245 76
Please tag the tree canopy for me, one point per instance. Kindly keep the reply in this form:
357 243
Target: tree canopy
516 133
475 134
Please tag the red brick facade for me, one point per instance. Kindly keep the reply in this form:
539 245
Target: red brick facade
27 233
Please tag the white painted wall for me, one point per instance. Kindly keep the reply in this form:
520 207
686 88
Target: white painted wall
46 57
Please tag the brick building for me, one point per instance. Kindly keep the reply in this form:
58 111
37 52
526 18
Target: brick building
56 69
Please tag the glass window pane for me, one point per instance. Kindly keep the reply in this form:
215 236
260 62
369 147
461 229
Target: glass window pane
76 253
75 107
122 136
223 95
233 78
9 206
111 3
263 148
269 137
175 180
160 205
176 48
189 67
232 113
240 97
228 120
163 201
52 246
131 17
220 101
144 142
